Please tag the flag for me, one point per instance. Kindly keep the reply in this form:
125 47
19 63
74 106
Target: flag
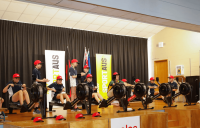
89 61
68 65
85 59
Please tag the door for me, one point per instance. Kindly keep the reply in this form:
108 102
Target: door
161 70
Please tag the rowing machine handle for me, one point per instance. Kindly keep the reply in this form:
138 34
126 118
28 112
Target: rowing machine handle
157 79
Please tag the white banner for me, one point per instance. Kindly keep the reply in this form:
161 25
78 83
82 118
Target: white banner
55 65
126 122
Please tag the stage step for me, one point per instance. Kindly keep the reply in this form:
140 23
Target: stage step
169 116
173 123
179 127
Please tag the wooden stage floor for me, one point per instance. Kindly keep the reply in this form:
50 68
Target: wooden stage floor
176 117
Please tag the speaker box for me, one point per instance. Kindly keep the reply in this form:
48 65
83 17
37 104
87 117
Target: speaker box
194 81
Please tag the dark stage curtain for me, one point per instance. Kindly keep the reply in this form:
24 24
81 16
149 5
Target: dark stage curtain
21 44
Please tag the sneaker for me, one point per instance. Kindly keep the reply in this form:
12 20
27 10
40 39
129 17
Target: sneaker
73 109
78 109
36 111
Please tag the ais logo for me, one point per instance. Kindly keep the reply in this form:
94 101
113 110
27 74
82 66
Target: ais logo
130 127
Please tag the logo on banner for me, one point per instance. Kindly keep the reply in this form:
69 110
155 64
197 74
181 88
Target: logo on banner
55 66
104 75
126 122
103 71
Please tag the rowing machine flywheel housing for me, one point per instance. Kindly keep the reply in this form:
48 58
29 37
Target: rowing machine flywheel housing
185 88
165 89
37 92
82 91
119 90
140 90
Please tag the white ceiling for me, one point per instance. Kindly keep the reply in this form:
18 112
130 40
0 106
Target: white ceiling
36 13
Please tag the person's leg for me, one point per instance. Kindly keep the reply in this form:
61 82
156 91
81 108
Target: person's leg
99 96
73 95
66 97
60 96
26 96
94 95
1 102
18 96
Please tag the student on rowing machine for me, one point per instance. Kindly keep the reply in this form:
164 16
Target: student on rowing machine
16 90
95 95
57 88
152 86
111 84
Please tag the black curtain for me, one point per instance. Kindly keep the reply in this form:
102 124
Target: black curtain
21 44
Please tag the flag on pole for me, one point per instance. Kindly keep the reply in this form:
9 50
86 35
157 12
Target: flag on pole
85 59
89 61
68 65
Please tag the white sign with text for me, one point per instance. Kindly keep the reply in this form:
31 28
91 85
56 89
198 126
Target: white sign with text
126 122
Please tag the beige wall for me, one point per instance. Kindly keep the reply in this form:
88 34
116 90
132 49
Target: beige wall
180 46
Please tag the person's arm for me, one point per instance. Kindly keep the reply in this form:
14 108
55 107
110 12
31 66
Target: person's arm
175 87
63 89
42 80
50 87
7 86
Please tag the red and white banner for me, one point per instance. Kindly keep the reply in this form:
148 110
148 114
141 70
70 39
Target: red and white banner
126 122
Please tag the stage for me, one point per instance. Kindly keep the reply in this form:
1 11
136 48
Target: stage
175 117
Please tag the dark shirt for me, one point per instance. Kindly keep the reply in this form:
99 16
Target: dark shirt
73 72
36 73
152 90
57 87
84 77
174 85
91 85
110 86
16 88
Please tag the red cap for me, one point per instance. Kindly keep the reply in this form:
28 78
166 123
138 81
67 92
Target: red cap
115 73
79 116
74 61
172 77
38 119
60 117
124 80
96 114
37 62
152 78
89 75
86 66
137 80
16 75
59 77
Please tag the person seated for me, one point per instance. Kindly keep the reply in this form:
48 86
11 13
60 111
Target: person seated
95 95
110 87
152 86
86 71
130 87
17 90
1 102
57 88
